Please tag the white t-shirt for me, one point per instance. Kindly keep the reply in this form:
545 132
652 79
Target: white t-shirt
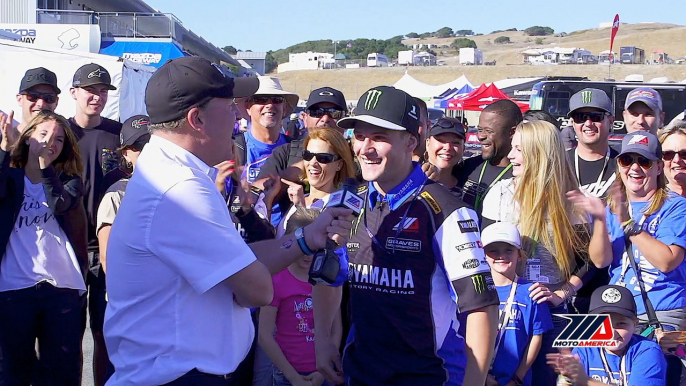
281 229
38 249
171 247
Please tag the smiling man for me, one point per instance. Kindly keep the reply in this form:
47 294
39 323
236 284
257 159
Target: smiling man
497 124
643 110
38 91
98 142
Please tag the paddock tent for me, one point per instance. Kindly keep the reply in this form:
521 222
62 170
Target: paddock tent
425 91
130 78
478 99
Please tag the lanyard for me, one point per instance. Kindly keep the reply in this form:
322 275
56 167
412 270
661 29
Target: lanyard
480 197
602 172
623 379
625 261
505 316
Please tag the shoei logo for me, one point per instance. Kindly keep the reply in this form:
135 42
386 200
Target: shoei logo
372 101
587 331
97 73
586 96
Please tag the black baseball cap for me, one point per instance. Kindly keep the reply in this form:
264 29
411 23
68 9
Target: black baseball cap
37 76
90 74
613 298
386 107
326 95
447 125
134 129
187 82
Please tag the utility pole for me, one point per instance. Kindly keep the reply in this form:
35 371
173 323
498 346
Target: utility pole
334 53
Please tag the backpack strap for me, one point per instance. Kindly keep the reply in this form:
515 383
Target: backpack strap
242 153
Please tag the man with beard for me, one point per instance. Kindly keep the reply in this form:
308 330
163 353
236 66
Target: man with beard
497 124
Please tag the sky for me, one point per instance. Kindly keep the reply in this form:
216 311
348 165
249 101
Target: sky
271 25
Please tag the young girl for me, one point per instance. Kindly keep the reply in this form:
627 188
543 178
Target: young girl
286 329
522 320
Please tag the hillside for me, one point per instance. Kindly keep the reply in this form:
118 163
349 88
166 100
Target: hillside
649 36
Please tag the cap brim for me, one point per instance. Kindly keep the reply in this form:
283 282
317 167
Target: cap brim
442 130
592 107
243 87
57 89
642 152
617 310
349 122
645 102
501 240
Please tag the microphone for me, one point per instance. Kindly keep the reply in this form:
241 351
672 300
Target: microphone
330 265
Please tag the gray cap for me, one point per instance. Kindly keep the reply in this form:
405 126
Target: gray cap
643 143
647 95
590 97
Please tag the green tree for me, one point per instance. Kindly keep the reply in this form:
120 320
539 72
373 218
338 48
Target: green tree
539 41
462 43
539 31
464 32
231 50
412 35
502 40
270 62
444 32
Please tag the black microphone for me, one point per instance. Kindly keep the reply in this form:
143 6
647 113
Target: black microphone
330 265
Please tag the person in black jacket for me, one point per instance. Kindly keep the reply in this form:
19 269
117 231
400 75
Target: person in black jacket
43 239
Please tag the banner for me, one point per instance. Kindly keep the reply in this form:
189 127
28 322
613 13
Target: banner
71 37
150 53
615 28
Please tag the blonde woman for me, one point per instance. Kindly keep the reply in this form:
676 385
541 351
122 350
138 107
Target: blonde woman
555 235
673 141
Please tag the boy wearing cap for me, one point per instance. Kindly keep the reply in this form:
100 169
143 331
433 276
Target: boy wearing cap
643 110
414 248
522 320
98 142
634 361
38 91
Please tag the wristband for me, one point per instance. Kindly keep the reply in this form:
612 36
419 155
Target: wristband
632 229
517 381
300 236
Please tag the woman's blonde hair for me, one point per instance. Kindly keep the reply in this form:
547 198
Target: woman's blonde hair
546 216
68 161
340 147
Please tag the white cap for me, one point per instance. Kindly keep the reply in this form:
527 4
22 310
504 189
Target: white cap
504 232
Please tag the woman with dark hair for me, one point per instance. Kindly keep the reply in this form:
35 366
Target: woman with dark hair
44 253
444 150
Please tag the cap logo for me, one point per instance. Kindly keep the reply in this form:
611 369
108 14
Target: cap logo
139 122
413 112
642 94
611 296
586 96
32 77
326 93
97 73
638 140
372 101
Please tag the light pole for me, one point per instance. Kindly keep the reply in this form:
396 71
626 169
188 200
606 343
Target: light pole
334 53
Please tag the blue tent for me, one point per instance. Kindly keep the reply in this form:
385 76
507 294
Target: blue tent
145 52
443 102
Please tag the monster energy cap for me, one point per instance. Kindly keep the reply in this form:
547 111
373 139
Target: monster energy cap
590 97
386 107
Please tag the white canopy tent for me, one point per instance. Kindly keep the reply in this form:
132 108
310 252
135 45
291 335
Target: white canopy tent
425 91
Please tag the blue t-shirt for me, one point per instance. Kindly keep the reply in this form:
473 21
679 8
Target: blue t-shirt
258 152
644 363
527 318
667 291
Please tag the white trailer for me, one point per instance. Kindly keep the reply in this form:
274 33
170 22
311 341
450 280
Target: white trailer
406 58
471 57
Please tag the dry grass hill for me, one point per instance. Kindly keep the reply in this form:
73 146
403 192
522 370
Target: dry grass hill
650 36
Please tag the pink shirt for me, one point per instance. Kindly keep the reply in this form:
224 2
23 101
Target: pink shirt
294 320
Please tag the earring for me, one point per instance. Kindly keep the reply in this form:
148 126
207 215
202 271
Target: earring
426 156
129 164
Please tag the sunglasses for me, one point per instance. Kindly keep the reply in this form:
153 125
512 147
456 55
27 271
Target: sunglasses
33 96
446 124
321 111
668 155
265 100
322 158
594 116
626 160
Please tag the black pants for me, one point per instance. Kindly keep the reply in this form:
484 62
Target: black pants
51 315
196 378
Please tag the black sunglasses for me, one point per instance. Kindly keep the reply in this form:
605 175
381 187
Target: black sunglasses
319 112
33 96
626 160
581 117
265 100
322 158
447 124
668 155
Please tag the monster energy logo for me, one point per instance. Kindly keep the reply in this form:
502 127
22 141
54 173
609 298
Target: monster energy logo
372 101
586 96
479 282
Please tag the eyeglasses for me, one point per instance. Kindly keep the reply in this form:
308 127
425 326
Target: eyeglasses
668 155
323 158
33 96
321 111
594 116
265 100
626 160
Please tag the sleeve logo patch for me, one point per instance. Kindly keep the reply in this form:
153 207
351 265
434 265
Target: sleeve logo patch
468 226
432 202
